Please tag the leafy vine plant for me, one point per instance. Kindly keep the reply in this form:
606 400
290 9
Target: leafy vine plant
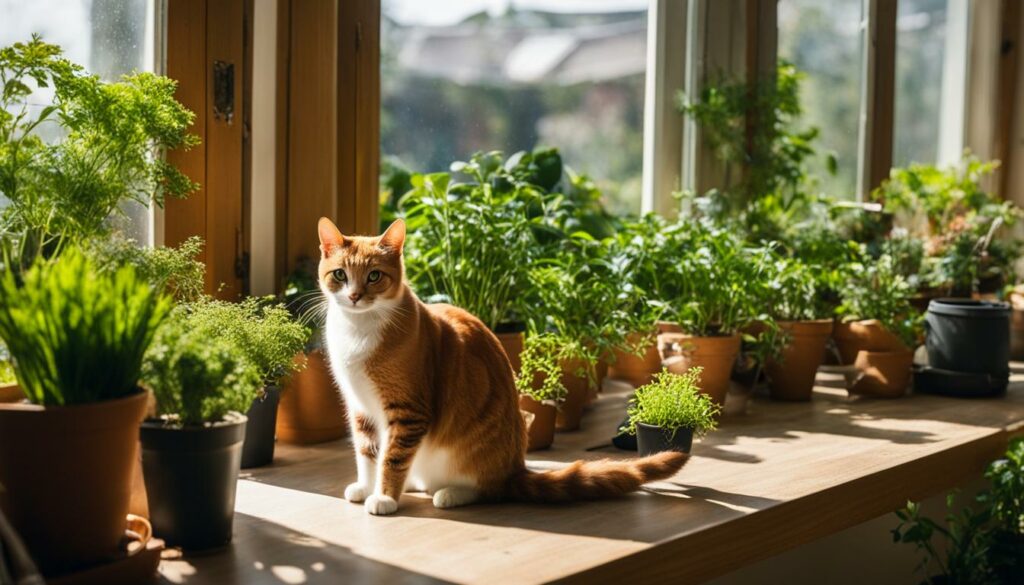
70 161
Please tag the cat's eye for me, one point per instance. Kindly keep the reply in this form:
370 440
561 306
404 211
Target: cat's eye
374 276
339 275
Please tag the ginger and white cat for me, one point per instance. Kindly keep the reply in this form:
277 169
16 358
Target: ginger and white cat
430 393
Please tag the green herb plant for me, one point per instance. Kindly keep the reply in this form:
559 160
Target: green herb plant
752 130
77 335
174 270
198 378
876 290
673 402
967 243
469 244
540 376
265 330
66 167
983 544
714 285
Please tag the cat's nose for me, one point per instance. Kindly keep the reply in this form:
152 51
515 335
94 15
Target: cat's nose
354 297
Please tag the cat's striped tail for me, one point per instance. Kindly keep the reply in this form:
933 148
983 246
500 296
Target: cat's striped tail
592 480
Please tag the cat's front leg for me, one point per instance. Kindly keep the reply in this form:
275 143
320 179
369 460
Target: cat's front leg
365 445
403 438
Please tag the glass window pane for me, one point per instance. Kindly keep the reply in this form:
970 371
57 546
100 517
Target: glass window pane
920 50
823 39
108 37
478 75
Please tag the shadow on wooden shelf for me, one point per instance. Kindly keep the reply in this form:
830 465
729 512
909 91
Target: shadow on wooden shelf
276 554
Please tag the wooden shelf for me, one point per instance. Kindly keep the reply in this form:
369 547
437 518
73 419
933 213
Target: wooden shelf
779 477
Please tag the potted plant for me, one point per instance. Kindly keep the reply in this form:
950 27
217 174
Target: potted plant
712 294
192 448
879 329
311 408
983 543
270 338
542 388
670 411
64 191
9 391
968 249
471 242
636 250
579 298
805 326
77 339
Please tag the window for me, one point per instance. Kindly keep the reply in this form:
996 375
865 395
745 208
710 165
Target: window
458 77
108 37
920 50
823 39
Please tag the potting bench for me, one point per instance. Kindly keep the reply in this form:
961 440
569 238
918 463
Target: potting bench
779 477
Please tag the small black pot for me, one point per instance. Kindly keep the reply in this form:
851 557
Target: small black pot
258 448
190 476
969 336
651 439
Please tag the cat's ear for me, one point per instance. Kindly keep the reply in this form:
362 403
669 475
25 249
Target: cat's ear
393 238
330 237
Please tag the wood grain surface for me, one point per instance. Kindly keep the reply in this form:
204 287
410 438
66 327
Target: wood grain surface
776 478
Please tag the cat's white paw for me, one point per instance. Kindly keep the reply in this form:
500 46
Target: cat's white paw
356 493
451 497
381 505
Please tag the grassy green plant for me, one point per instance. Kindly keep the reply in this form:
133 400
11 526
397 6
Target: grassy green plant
672 402
542 358
66 167
75 334
266 332
875 290
197 377
174 270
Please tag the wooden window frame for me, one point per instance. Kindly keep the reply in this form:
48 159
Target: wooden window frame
328 123
199 33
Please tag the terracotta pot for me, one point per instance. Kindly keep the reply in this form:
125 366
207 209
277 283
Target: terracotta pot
67 477
715 354
883 374
512 343
311 408
1017 326
637 370
792 377
570 412
853 337
541 430
669 327
10 393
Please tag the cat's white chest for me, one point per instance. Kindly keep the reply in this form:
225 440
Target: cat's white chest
348 346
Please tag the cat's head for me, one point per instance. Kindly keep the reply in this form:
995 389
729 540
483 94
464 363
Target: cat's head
361 274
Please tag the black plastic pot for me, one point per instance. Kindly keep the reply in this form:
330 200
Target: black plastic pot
258 448
190 476
651 439
969 336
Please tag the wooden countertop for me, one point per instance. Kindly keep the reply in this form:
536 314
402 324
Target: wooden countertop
776 478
